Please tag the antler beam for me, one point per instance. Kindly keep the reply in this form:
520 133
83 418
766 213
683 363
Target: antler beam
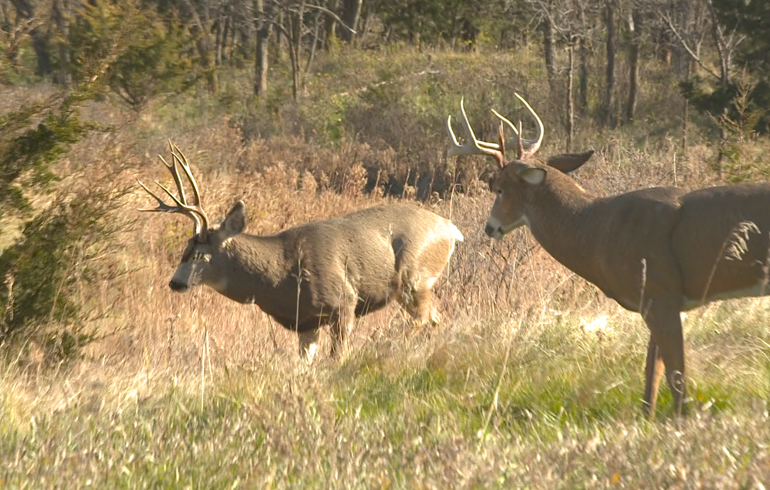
194 211
474 146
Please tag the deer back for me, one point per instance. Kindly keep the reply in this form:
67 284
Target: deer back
300 275
374 251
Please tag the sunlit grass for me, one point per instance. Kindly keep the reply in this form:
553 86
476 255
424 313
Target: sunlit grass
534 379
544 408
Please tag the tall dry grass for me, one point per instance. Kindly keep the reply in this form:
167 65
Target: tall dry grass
533 380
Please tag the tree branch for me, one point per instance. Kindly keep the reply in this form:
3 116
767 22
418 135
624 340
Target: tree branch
692 54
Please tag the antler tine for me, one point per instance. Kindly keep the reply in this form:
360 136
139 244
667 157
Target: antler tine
182 159
506 121
195 211
185 164
473 146
453 148
162 206
531 146
165 208
177 179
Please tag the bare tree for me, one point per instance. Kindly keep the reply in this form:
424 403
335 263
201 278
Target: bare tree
565 23
548 48
264 28
61 16
725 44
634 26
200 14
300 23
34 14
609 87
351 12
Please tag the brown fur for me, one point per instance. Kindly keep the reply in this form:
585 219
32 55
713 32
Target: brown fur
657 251
326 272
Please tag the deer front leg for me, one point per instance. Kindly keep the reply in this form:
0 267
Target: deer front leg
665 327
308 344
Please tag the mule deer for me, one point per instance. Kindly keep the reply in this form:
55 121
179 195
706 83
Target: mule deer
657 251
319 273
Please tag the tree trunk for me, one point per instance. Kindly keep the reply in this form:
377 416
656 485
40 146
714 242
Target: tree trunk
634 27
314 44
263 28
25 9
331 23
686 111
60 13
723 49
725 54
219 40
607 119
350 14
295 47
205 44
222 50
583 90
548 53
570 99
362 33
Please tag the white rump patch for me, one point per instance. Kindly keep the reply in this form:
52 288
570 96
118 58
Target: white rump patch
456 234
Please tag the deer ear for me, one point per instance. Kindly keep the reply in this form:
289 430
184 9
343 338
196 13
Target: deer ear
532 175
235 221
567 162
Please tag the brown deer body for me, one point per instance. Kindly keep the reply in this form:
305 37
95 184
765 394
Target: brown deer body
657 251
320 273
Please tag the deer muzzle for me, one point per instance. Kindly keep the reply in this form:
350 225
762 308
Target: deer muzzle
491 230
179 287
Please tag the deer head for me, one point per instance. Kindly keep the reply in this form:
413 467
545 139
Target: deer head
206 243
516 180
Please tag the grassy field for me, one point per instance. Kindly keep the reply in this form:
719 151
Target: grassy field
533 380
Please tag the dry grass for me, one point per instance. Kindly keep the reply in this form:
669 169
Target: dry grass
534 380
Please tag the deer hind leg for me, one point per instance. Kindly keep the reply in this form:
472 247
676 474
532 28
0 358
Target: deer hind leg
653 373
666 333
423 308
341 324
308 344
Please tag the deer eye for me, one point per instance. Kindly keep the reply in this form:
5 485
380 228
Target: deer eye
499 192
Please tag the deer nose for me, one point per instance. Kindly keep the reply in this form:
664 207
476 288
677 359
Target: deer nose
490 230
177 286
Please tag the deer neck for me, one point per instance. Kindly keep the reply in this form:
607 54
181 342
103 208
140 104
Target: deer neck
250 269
559 215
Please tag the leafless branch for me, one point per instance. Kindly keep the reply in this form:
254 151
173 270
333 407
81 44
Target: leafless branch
687 48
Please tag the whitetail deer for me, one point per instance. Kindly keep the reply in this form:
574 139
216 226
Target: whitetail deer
320 273
657 251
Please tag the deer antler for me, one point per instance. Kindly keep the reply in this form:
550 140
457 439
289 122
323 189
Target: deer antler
473 146
526 147
194 211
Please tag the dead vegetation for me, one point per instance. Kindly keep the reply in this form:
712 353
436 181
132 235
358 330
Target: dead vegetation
532 381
